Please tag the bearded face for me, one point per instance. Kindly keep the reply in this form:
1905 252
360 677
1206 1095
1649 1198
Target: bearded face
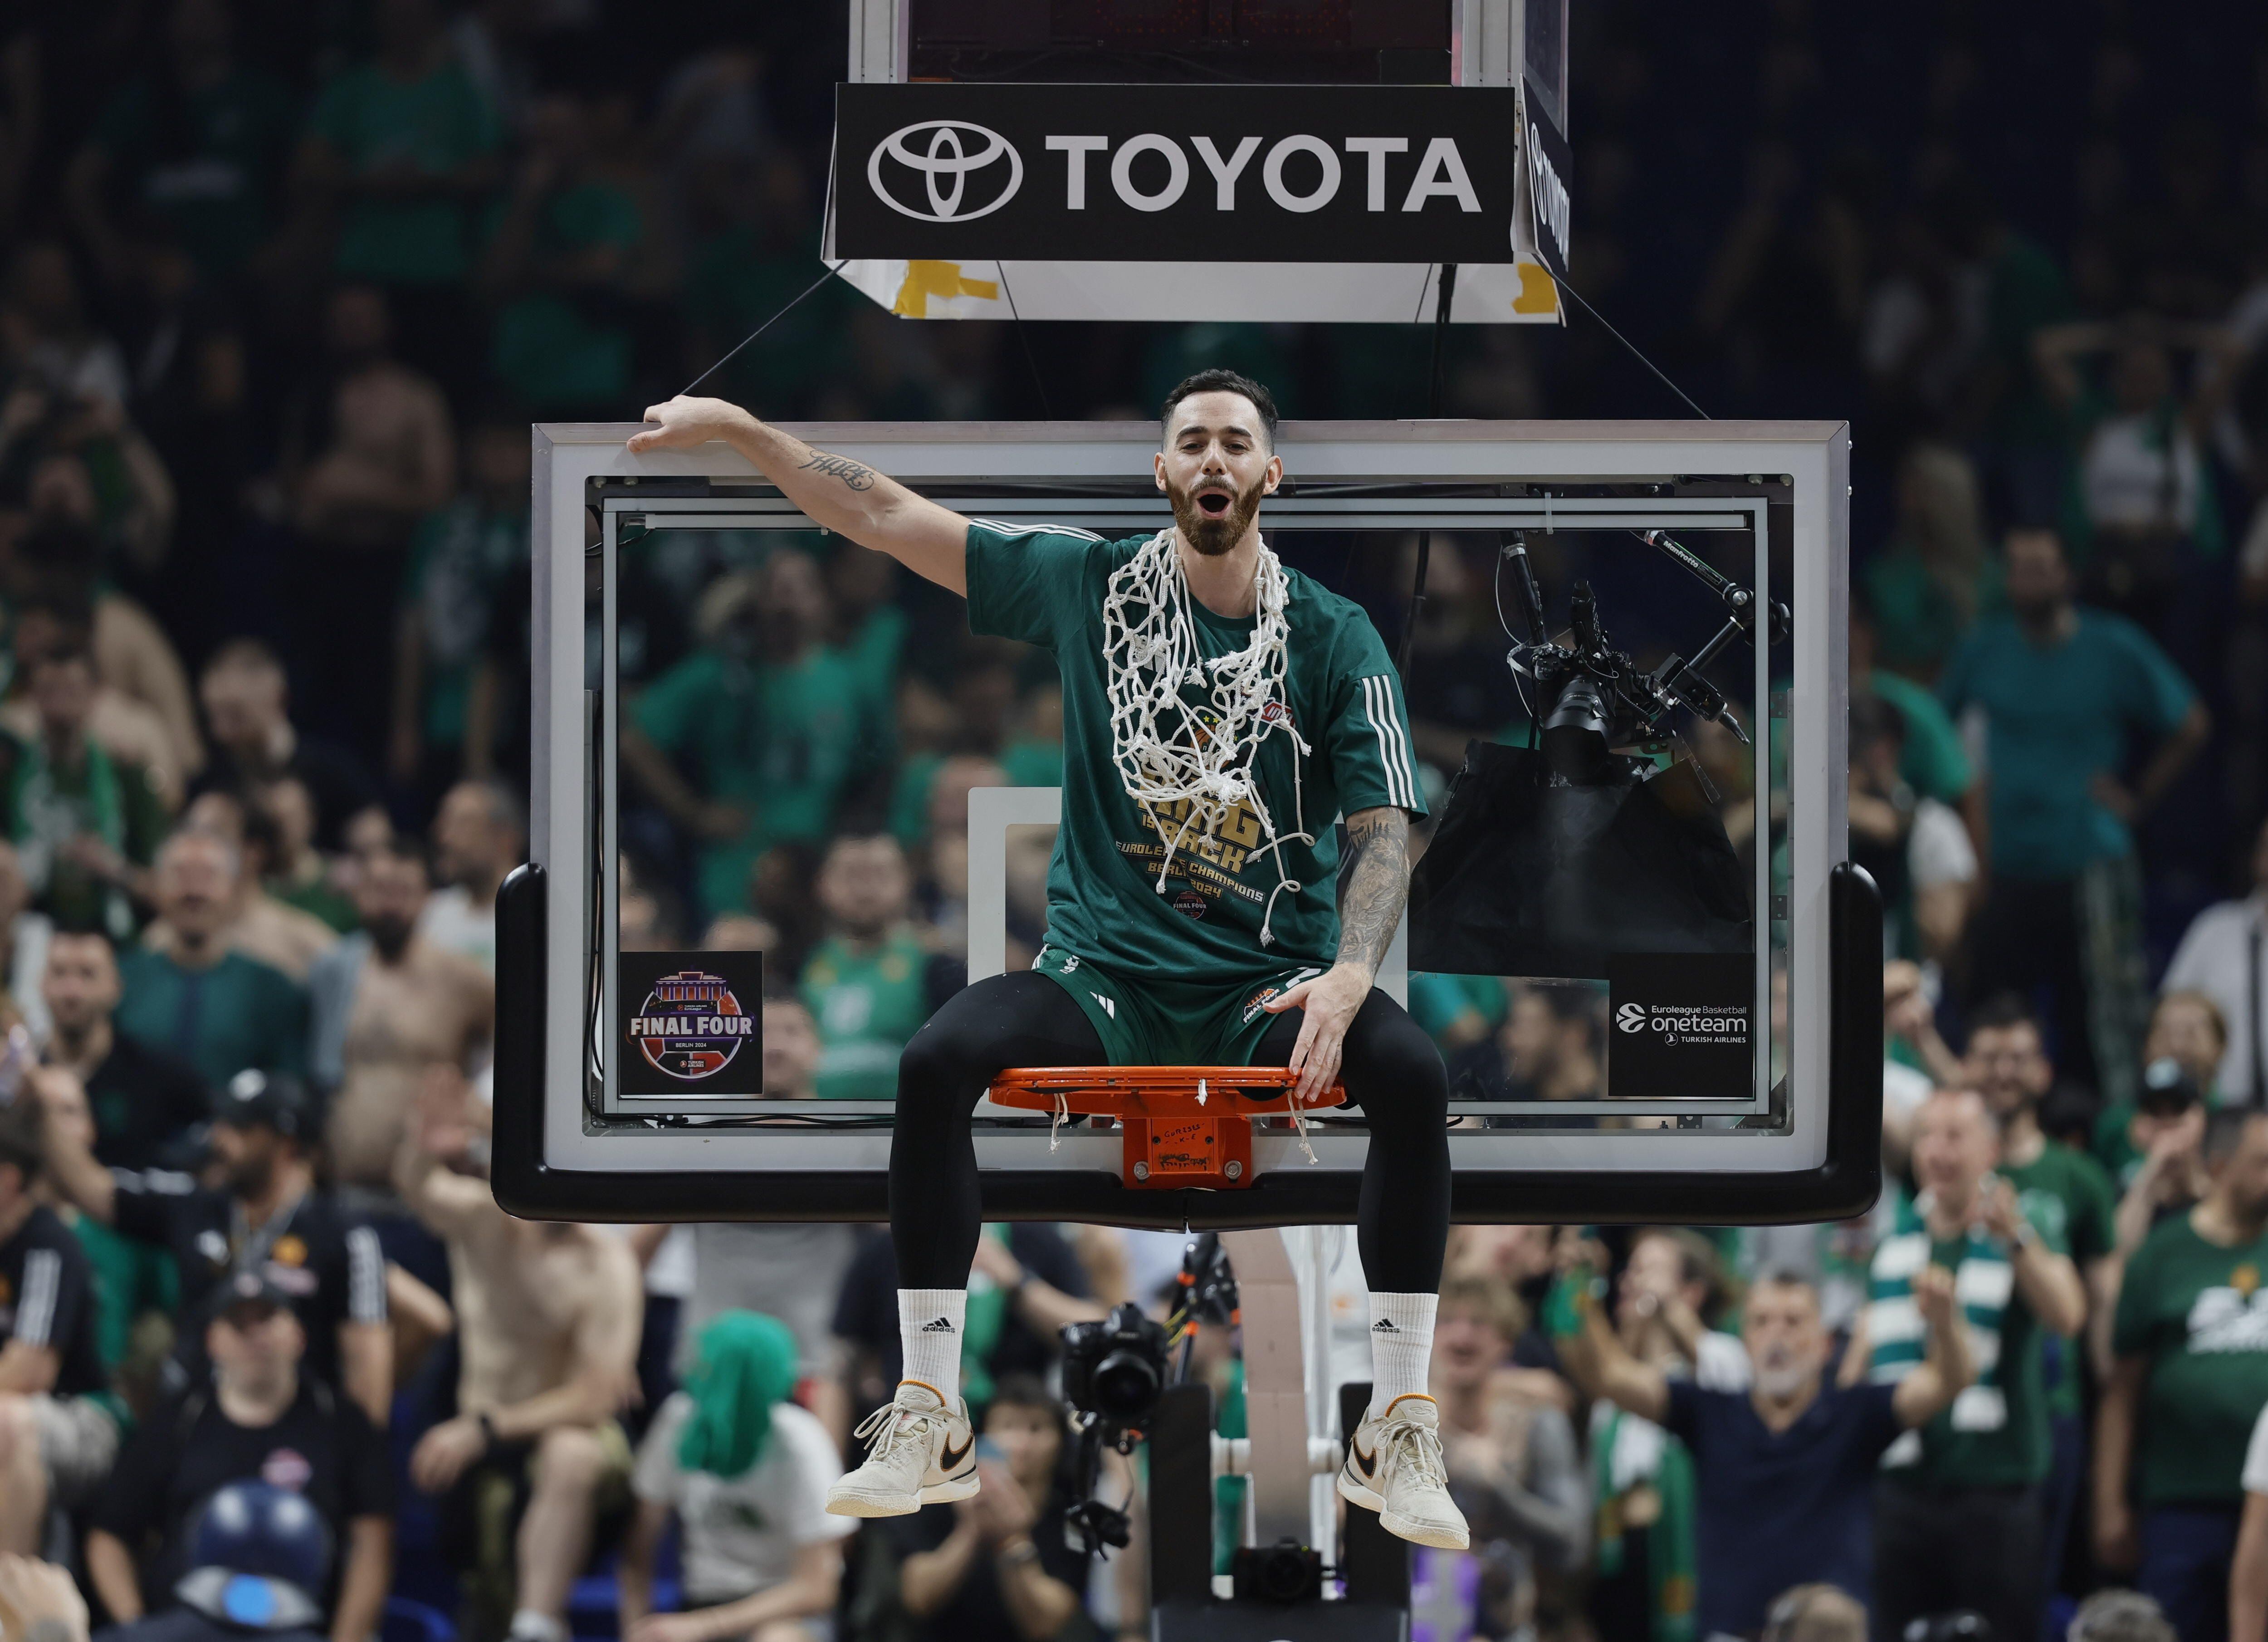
1213 514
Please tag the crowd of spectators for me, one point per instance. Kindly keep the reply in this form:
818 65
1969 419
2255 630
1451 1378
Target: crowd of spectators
283 286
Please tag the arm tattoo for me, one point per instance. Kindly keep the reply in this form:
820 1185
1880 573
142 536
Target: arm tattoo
856 475
1376 887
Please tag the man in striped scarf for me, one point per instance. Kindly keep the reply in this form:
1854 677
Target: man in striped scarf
1957 1514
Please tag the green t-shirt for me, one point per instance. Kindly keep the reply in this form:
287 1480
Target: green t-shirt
778 741
434 125
871 651
460 557
1044 585
317 898
206 160
1995 1434
553 350
1033 763
2059 716
1438 1002
131 1278
238 1013
866 1004
1935 763
1918 620
107 798
2069 1201
2200 1314
1028 763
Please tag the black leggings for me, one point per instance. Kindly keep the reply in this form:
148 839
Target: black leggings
1389 1066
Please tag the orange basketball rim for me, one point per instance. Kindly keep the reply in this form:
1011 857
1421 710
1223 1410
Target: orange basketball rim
1181 1126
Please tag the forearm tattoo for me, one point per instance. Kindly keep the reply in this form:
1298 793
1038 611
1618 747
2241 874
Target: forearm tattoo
857 476
1376 887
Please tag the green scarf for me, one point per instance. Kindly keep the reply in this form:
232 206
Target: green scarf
746 1363
1670 1556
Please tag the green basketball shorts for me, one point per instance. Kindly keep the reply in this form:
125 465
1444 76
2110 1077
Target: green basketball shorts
1171 1023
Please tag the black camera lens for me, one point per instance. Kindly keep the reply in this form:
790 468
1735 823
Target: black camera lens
1126 1384
1575 743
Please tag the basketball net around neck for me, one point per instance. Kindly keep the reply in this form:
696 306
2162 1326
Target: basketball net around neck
1164 752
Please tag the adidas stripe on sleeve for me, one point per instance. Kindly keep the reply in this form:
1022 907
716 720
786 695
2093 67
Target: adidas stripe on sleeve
1372 762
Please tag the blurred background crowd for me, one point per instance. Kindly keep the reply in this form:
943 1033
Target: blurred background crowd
282 284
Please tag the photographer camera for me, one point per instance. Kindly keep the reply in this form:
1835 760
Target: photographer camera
1114 1370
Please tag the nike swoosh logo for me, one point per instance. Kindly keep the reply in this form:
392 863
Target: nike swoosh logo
1367 1462
949 1458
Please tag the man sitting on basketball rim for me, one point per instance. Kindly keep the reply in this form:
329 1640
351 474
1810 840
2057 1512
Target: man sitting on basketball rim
1219 713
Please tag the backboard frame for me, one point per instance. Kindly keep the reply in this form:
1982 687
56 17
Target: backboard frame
551 1159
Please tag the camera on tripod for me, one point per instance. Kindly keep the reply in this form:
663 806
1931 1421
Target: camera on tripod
1115 1369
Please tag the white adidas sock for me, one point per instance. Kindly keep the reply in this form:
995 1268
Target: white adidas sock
1401 1347
930 1323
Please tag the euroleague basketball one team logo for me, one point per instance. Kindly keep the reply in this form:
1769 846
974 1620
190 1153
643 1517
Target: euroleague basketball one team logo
691 1025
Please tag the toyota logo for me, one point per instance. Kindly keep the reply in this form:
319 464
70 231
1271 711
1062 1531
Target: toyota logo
1631 1016
946 160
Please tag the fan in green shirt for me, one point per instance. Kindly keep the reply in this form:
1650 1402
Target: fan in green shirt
407 137
199 145
82 819
2192 1343
750 740
2014 1288
561 247
2064 690
869 984
460 560
2064 1193
1932 761
220 1010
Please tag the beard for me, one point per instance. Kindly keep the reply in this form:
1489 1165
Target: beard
391 936
1213 535
1778 1380
251 1176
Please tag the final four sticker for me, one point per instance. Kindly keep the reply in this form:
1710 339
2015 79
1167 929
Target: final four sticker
692 1023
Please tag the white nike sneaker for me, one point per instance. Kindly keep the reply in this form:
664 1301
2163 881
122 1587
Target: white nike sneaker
923 1453
1394 1466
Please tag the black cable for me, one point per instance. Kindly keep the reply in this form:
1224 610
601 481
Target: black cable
1447 294
1440 337
766 326
1024 342
1634 353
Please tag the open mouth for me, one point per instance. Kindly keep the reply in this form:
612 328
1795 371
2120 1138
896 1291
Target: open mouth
1214 501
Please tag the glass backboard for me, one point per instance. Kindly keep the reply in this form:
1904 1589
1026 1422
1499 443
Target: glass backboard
1630 928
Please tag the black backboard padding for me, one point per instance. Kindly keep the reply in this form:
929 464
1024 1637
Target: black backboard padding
1845 1183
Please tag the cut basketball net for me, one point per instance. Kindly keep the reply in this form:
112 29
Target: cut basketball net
1165 752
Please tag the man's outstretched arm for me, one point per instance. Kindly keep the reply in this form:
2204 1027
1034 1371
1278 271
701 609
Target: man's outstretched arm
841 495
